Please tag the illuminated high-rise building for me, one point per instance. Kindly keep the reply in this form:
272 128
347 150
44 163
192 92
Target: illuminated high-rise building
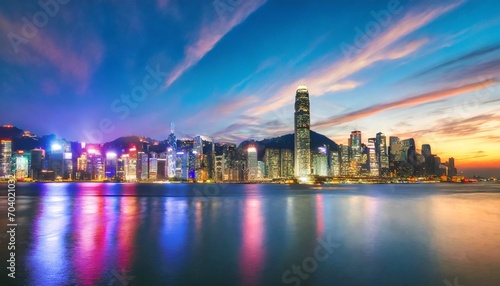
261 169
273 166
355 145
356 152
204 158
55 158
229 154
20 164
320 162
382 154
252 164
345 164
171 153
334 164
143 161
5 158
111 165
372 158
302 134
153 166
161 166
286 163
185 165
133 157
95 163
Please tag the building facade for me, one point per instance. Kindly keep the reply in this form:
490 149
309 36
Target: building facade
302 134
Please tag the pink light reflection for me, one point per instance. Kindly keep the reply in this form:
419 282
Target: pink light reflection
90 235
320 221
127 227
252 252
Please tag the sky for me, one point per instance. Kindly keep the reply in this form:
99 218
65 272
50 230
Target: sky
96 70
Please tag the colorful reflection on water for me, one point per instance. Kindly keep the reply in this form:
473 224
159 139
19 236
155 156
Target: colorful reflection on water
88 234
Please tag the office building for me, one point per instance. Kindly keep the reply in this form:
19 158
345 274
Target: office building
5 158
302 134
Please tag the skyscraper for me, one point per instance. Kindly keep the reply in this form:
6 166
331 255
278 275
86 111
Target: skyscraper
171 153
409 158
394 154
382 154
252 163
452 171
272 158
372 158
426 150
429 160
334 163
302 134
355 153
356 145
20 164
320 162
286 163
111 164
344 160
5 158
37 158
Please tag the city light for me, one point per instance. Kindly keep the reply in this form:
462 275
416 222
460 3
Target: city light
111 155
55 147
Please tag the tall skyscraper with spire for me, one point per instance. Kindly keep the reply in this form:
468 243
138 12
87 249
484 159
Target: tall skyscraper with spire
171 152
302 168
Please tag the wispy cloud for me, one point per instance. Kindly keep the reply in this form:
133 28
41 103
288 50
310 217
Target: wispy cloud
74 63
248 127
234 105
209 35
412 101
382 48
493 49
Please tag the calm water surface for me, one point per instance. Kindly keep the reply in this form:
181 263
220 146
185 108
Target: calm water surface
187 234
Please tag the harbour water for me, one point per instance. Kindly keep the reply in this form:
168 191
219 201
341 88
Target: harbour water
210 234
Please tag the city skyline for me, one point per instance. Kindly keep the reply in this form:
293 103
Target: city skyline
381 155
415 75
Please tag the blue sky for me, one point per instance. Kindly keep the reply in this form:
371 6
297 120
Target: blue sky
229 69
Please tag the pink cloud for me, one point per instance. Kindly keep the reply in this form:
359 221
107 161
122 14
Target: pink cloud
75 64
381 48
412 101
